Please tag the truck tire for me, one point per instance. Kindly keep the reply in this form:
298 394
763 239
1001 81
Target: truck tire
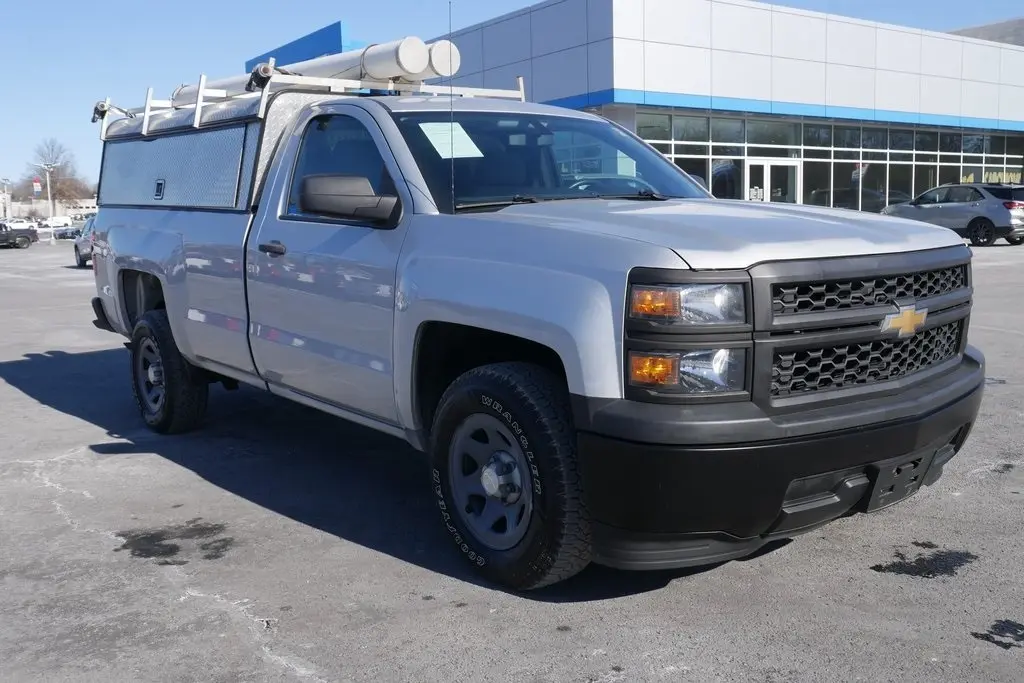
503 456
171 392
22 242
1015 241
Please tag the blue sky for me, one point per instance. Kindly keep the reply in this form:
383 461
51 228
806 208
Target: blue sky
64 55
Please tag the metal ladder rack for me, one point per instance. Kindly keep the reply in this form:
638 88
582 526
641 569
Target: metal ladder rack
267 78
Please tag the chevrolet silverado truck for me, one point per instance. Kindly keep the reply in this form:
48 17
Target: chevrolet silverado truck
622 370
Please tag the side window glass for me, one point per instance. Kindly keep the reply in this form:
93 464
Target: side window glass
934 196
975 196
338 145
959 194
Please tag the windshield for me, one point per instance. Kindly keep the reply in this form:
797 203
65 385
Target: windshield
490 160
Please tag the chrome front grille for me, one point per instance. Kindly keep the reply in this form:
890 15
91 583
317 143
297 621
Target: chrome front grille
852 294
841 366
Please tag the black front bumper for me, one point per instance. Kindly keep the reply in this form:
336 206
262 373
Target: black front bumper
666 488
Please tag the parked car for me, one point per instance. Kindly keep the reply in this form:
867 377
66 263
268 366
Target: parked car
981 212
83 244
11 235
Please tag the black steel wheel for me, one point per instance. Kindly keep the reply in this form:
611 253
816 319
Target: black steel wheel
982 232
1015 241
503 453
22 242
171 393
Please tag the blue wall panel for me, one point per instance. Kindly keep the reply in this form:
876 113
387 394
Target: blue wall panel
328 40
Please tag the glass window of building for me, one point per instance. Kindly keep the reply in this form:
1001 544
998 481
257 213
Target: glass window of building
818 183
817 135
727 130
847 136
846 185
995 144
901 183
773 133
1015 146
926 141
974 144
901 139
654 126
970 174
690 128
950 143
697 168
926 176
727 179
872 187
875 138
949 174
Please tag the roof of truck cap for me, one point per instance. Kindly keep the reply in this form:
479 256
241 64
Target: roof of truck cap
402 103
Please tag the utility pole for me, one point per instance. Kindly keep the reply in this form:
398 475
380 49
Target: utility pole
48 169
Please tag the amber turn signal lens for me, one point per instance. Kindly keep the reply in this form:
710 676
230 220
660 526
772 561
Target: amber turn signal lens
652 370
655 302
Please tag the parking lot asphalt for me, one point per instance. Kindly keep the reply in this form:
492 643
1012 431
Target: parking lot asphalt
279 544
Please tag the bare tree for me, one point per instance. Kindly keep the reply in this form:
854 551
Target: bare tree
64 179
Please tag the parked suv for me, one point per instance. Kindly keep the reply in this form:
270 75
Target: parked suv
982 212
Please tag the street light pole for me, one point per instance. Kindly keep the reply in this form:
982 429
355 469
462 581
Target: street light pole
6 198
48 168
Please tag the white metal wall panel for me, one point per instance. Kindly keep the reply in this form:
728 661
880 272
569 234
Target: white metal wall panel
677 22
849 86
941 56
1011 67
677 68
981 62
896 91
940 95
898 51
798 36
737 74
769 55
1011 102
741 28
850 43
979 99
797 80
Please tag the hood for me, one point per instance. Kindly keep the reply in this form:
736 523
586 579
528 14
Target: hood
733 234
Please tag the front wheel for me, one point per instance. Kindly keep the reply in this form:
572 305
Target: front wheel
22 242
1015 241
503 452
171 392
78 258
982 233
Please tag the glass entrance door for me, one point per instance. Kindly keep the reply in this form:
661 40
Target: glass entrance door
776 180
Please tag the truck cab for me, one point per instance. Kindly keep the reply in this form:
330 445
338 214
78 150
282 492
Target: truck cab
612 367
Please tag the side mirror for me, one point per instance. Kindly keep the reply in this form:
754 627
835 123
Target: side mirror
345 196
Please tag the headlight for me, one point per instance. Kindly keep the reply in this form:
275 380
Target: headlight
700 371
697 304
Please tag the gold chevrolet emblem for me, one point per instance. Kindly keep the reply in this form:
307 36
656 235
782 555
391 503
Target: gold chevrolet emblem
906 322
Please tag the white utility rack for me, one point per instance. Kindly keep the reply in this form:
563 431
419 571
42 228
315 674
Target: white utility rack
397 68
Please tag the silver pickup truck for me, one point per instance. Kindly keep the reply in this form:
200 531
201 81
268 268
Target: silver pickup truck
616 368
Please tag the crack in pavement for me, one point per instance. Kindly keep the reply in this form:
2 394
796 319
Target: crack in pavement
238 610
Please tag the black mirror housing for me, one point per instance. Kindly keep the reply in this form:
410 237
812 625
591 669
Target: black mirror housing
346 197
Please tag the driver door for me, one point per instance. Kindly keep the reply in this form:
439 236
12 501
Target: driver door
928 206
322 289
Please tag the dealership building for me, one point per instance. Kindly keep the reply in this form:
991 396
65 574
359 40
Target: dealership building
766 102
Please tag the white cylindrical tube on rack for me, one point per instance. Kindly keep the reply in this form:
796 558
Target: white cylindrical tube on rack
402 59
445 60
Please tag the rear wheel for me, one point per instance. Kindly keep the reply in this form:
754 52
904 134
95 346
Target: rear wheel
22 242
982 232
171 392
503 452
1015 240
